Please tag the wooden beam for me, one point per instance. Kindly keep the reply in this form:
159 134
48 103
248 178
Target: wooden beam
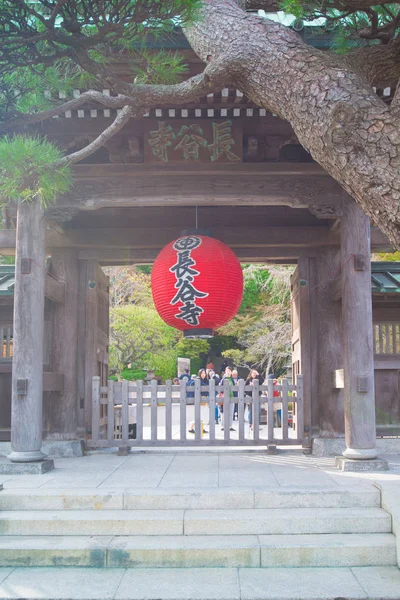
235 237
154 238
54 290
147 256
297 185
387 361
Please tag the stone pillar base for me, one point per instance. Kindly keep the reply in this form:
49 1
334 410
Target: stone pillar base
361 466
26 468
26 457
360 453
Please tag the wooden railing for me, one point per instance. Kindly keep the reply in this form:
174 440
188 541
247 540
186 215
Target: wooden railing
387 338
6 342
133 414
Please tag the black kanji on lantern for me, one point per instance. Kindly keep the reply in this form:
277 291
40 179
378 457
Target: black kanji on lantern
185 274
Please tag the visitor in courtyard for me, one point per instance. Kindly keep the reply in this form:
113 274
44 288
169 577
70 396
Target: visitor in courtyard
176 381
211 374
253 375
236 378
185 376
227 419
204 381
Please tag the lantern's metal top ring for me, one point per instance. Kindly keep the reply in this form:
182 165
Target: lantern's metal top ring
198 333
196 231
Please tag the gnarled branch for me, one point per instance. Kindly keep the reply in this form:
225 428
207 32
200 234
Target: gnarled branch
215 76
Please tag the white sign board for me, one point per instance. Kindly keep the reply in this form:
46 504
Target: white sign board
183 364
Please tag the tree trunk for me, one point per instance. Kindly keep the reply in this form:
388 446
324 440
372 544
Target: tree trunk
333 110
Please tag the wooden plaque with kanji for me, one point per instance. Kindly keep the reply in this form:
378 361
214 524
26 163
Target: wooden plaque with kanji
177 141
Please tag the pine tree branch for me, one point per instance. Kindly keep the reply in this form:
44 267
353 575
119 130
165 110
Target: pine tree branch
214 78
127 113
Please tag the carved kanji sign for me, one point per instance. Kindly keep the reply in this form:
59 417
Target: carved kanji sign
193 142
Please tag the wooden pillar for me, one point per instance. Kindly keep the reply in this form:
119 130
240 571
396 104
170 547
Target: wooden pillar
329 340
61 410
27 373
302 351
87 341
359 395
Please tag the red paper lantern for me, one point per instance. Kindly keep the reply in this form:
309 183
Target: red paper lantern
197 284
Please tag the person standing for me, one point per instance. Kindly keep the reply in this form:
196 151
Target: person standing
227 419
235 376
253 375
211 374
185 376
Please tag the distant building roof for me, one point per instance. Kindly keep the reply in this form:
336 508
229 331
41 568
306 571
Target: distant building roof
7 280
386 277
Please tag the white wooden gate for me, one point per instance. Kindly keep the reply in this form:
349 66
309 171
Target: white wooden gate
133 414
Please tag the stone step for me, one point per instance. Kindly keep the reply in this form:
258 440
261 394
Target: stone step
287 521
175 498
358 583
331 550
196 522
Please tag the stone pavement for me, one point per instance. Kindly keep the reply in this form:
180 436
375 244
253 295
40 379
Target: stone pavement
55 519
200 584
197 469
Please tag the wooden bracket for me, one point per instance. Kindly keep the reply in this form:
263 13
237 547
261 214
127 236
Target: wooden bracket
25 266
359 262
22 387
362 385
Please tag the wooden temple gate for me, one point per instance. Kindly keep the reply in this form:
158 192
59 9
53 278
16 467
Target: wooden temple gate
258 191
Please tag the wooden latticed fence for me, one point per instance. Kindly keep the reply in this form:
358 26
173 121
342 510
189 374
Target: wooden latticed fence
133 414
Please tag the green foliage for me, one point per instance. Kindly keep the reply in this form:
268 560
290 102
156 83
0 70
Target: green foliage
349 28
137 334
73 45
29 171
133 374
387 257
164 363
263 329
162 67
188 348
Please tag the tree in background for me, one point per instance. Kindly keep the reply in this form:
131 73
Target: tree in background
140 338
138 335
129 285
262 327
328 97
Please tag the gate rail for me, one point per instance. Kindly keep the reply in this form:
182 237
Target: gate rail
121 405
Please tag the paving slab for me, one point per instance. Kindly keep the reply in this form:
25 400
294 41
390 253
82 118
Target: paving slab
391 502
182 498
379 582
83 522
274 521
4 573
247 477
57 551
326 498
61 584
184 551
179 584
328 550
56 499
300 584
